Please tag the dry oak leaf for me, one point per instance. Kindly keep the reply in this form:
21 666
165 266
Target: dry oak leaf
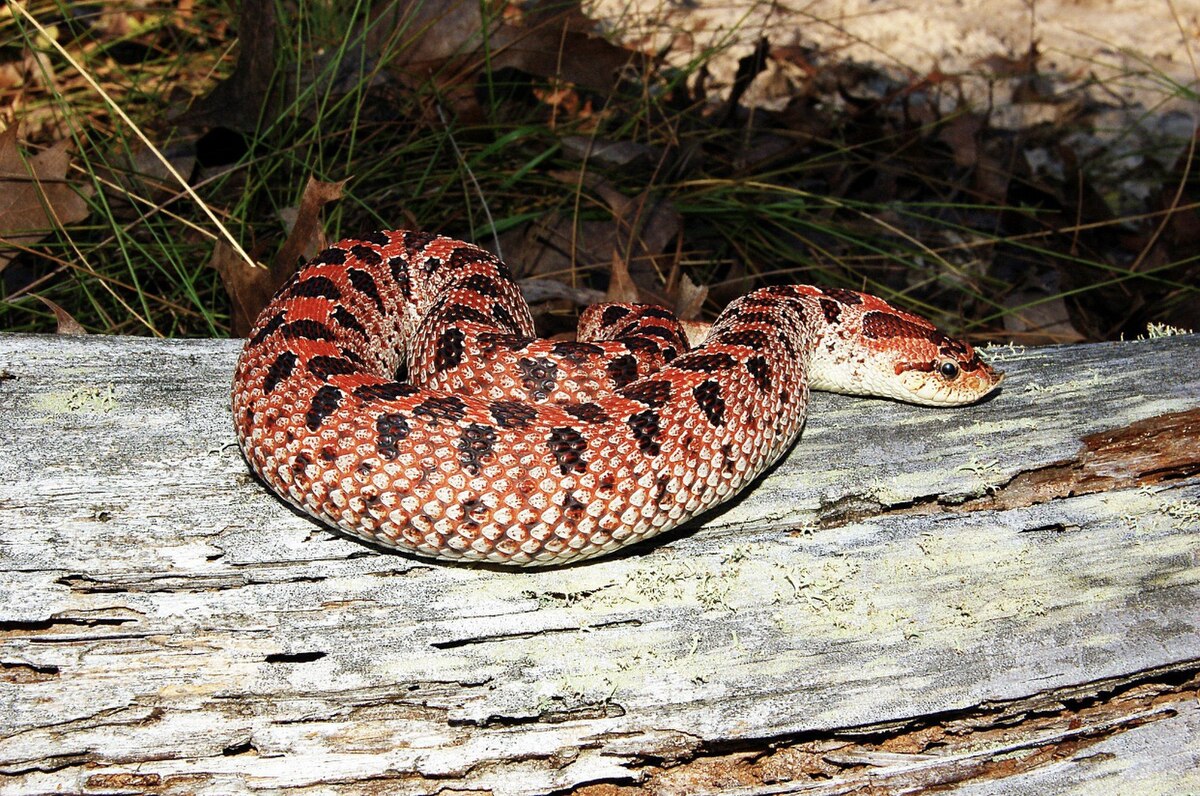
250 287
66 322
34 194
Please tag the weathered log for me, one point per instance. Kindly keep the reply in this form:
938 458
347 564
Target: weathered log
994 599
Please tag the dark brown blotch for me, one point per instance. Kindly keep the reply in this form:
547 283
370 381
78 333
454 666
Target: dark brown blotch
576 352
345 319
441 407
666 335
587 412
416 241
448 350
756 317
482 284
653 311
642 345
366 254
539 376
568 446
832 310
331 256
387 391
307 329
279 370
503 317
704 363
476 447
622 370
883 325
390 429
709 399
399 268
490 341
613 314
754 339
760 372
652 392
847 297
315 287
324 403
326 367
512 414
365 283
645 428
462 312
274 323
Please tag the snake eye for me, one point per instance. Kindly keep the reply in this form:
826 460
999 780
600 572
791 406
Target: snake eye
949 369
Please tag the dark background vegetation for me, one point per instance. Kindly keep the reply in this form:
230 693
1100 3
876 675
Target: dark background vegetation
591 166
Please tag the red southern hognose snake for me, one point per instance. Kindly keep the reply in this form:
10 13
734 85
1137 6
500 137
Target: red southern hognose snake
503 447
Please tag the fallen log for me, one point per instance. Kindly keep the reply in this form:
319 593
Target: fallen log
994 599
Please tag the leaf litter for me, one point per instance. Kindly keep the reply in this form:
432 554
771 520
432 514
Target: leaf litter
678 174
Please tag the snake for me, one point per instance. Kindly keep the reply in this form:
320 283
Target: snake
394 389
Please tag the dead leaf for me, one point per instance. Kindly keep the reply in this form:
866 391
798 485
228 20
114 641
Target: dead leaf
249 288
536 291
551 49
420 32
34 195
620 285
620 154
445 38
306 237
961 134
689 298
66 324
1037 319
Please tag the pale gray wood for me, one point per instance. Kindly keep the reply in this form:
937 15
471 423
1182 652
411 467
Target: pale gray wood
162 617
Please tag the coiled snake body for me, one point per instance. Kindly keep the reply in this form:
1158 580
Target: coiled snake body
504 447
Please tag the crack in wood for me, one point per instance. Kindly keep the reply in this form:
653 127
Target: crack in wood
166 584
606 709
547 631
295 657
124 781
26 672
988 741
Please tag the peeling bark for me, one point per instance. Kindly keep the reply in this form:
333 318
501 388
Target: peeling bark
996 599
1158 448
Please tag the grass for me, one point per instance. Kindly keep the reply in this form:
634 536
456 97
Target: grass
475 149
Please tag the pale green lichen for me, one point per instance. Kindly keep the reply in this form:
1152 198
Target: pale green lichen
1001 353
1184 512
1157 330
88 400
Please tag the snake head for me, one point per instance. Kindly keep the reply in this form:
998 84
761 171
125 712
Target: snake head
950 379
912 360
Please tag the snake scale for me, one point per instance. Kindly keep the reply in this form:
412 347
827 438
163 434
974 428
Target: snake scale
500 446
